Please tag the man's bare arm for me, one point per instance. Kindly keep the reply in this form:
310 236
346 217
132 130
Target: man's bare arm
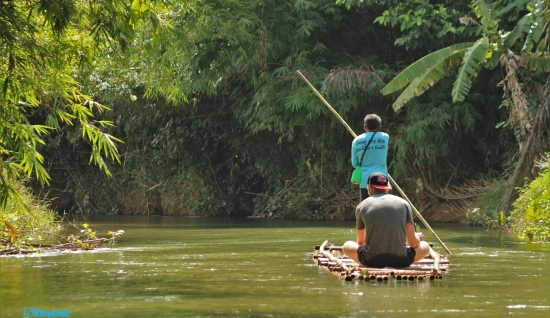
412 238
361 234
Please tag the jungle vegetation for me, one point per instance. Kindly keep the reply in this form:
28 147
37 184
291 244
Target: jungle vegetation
194 108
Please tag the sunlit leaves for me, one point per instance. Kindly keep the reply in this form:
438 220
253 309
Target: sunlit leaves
31 162
531 214
424 65
39 61
140 9
538 37
424 73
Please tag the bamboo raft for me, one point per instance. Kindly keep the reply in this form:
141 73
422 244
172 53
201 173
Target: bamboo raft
332 259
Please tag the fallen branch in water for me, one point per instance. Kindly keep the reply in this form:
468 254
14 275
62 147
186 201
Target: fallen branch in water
88 240
40 248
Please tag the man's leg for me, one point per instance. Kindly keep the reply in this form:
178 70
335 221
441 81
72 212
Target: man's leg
422 251
363 194
350 249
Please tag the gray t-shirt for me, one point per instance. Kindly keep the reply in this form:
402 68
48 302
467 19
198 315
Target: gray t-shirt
384 216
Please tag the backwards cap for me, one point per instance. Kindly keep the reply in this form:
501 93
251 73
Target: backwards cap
379 181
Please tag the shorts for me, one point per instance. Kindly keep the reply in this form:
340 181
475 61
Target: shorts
385 259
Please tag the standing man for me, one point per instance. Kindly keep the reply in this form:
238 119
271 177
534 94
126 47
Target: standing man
375 155
384 222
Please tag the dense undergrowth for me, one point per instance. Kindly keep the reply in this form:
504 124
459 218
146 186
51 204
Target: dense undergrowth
30 226
530 217
215 122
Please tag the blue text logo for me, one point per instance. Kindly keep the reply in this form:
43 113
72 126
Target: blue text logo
33 312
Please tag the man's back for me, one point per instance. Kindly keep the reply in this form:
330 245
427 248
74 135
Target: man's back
384 216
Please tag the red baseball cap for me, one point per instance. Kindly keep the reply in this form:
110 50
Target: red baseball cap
379 181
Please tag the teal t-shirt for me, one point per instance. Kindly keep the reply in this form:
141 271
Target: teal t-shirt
375 159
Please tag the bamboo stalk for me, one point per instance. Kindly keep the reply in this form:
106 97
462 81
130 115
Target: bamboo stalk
326 103
391 179
419 216
436 258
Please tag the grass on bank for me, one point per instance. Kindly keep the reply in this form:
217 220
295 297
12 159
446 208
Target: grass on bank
30 226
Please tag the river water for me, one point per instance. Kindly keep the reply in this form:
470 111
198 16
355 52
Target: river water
206 267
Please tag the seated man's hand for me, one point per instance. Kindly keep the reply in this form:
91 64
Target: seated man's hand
420 236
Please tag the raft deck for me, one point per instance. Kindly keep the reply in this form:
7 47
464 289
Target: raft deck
332 259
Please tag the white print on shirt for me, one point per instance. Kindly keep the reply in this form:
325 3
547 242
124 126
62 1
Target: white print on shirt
378 144
374 141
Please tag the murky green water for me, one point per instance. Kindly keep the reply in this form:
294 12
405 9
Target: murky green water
198 267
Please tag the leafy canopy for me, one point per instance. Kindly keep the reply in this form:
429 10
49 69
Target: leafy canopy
42 45
485 52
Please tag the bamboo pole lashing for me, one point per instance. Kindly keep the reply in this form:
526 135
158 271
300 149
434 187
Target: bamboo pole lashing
332 258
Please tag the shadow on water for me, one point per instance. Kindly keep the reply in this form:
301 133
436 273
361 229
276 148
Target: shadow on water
205 267
201 222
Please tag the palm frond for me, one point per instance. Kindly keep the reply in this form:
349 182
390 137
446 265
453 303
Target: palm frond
513 5
428 79
471 64
522 27
539 28
538 62
418 68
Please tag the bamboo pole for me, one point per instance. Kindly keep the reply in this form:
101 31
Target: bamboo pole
334 259
391 179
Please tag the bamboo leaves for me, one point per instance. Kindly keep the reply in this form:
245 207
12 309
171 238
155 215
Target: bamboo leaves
31 161
139 9
487 14
39 58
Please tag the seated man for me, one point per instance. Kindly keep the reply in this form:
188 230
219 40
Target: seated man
384 222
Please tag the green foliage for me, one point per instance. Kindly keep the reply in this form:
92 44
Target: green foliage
422 25
40 51
537 62
485 52
487 14
30 226
531 214
215 121
538 37
488 202
471 64
26 220
477 218
436 133
424 73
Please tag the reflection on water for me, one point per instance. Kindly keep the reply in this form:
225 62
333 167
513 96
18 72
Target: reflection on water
201 267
